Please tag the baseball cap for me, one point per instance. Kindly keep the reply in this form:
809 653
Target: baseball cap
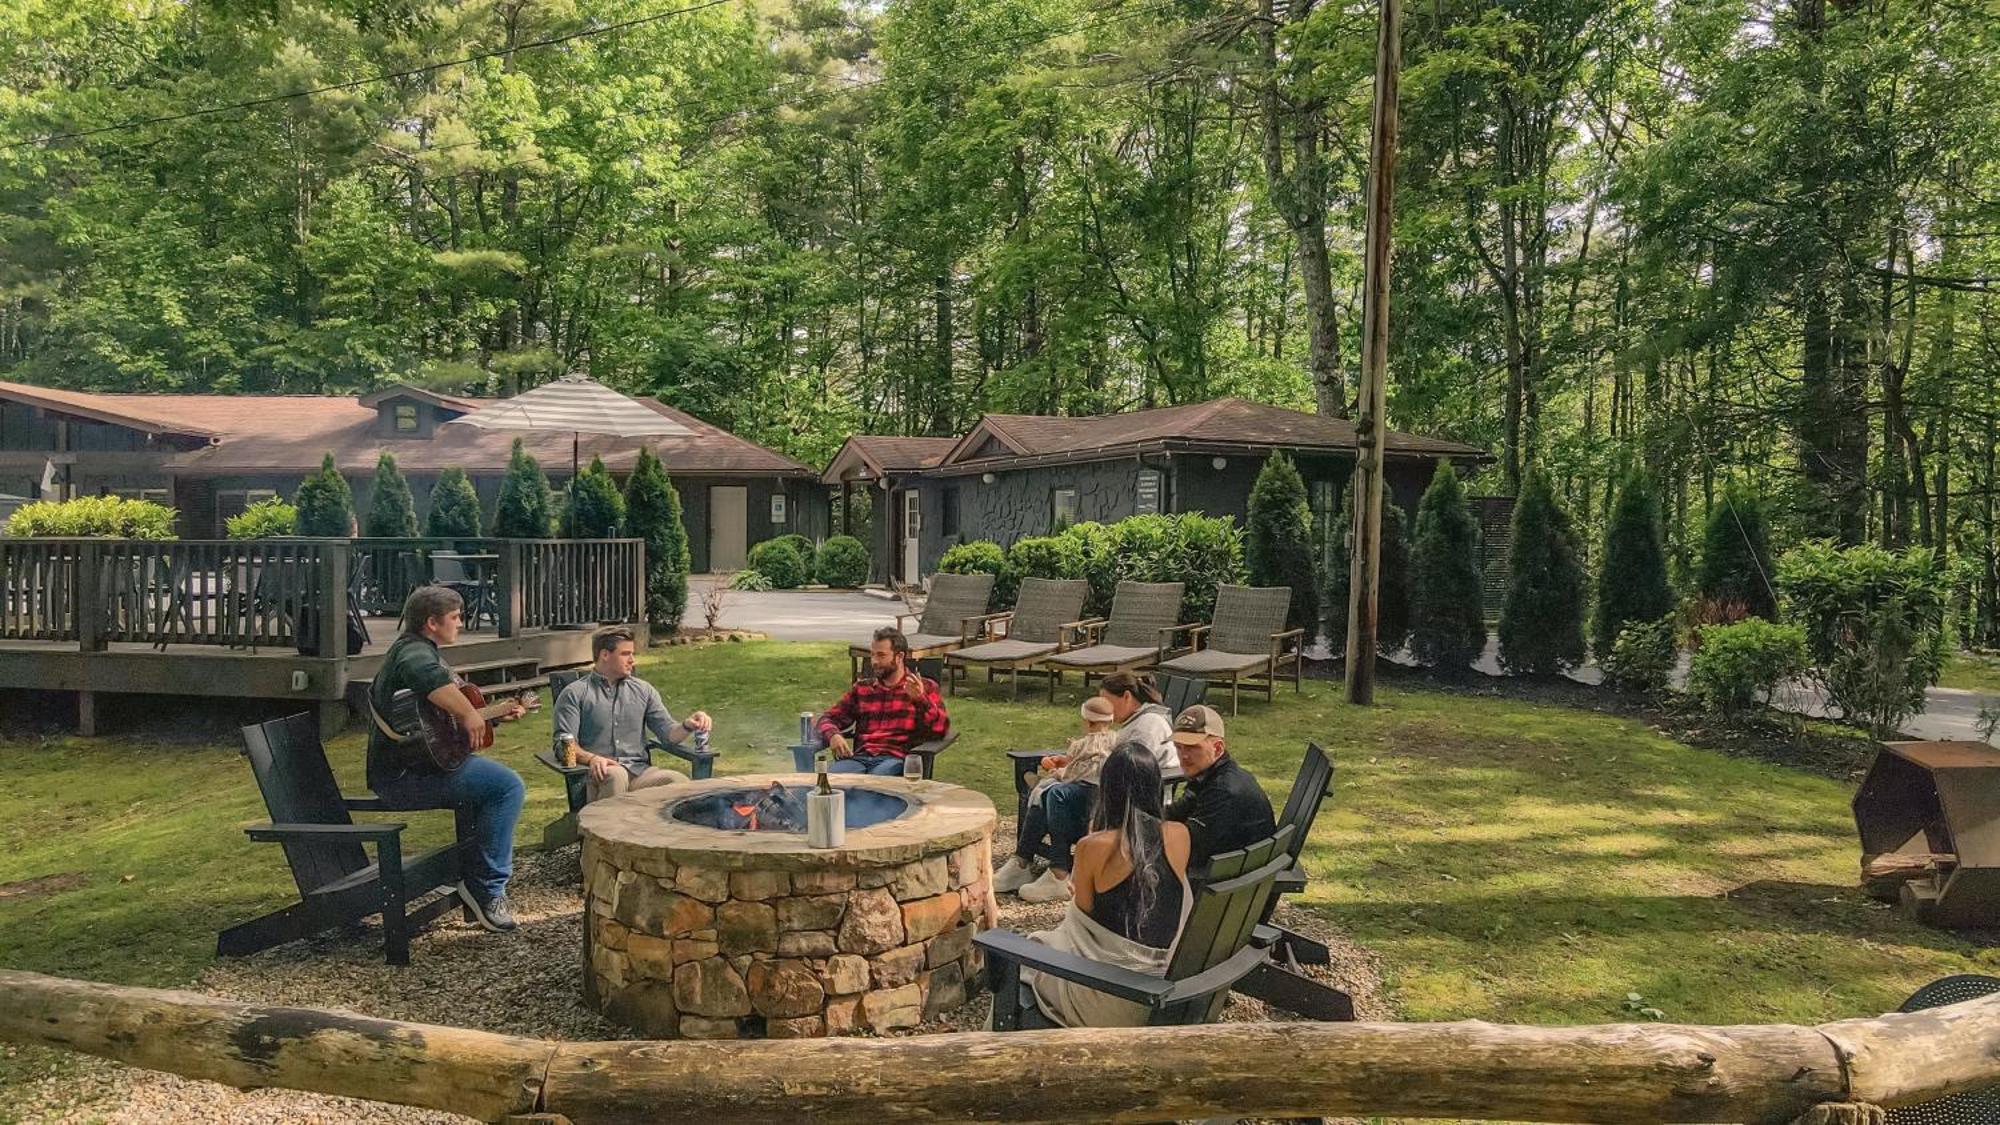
1196 723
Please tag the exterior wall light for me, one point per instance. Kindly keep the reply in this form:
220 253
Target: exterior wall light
987 478
1220 463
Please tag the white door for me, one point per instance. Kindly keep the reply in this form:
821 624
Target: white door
913 524
728 528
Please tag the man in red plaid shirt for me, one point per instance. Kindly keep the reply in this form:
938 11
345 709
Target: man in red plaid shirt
892 710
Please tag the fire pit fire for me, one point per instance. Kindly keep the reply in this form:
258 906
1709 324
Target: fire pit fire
710 917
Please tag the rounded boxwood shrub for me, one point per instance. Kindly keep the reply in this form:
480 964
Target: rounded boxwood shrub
262 520
804 546
779 561
1738 663
842 561
981 556
1642 658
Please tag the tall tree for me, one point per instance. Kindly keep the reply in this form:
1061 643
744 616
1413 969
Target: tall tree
1632 568
1541 622
392 513
1447 605
1278 540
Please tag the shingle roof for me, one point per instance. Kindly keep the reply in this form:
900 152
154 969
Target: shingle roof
887 453
291 433
1224 422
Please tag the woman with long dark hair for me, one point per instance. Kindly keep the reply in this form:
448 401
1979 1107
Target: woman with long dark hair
1130 893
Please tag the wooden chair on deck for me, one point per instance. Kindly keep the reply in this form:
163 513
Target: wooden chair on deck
1247 644
337 885
562 831
1144 618
954 616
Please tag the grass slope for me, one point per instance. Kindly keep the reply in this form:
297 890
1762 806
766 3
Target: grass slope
1508 861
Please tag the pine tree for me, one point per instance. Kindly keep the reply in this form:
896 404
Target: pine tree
653 513
525 507
325 503
1447 607
1541 622
1632 569
1392 581
392 514
454 507
1279 545
1736 554
595 509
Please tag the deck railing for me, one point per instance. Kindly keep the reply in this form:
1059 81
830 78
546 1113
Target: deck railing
37 585
554 583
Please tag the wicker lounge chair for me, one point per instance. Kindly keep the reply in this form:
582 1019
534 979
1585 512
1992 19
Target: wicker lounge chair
1043 616
1248 642
1144 618
954 616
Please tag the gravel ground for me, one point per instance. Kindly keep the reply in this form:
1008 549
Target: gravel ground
528 983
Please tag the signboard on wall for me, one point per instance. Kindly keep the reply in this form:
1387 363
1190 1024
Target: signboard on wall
1148 500
777 507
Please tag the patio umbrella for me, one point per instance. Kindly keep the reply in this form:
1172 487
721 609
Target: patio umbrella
576 403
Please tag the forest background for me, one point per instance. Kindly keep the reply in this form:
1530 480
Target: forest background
1724 240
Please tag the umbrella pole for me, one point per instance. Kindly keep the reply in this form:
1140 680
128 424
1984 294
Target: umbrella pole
569 509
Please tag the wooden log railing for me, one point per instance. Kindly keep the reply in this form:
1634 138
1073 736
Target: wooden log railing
552 583
1609 1073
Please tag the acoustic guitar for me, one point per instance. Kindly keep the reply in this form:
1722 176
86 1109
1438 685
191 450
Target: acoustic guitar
437 738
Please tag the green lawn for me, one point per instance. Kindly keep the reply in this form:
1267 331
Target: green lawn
1972 671
1507 861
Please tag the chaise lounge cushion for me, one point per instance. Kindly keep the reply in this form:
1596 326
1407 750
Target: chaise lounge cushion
1100 656
1003 652
1211 661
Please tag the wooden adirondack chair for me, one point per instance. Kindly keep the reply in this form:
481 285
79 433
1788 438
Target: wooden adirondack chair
1219 950
562 831
337 885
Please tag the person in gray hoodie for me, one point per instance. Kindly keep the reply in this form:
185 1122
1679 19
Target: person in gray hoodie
1141 717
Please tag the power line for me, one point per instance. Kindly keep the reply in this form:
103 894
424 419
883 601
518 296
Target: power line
356 83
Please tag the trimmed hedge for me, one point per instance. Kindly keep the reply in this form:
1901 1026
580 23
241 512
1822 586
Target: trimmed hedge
92 516
842 561
263 520
779 561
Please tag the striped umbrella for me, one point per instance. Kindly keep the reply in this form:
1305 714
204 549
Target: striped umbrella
578 404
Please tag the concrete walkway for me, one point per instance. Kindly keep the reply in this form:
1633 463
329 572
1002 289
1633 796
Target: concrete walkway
796 615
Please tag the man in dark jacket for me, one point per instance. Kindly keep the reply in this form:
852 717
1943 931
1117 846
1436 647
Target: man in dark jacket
1223 807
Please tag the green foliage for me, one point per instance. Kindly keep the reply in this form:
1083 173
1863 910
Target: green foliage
804 546
653 513
325 503
1392 581
1874 626
392 514
753 580
855 521
842 562
1642 659
1447 603
1736 554
1200 551
779 561
981 556
526 508
596 509
1040 556
1278 539
1738 664
454 510
93 516
1092 545
1541 622
263 520
1632 568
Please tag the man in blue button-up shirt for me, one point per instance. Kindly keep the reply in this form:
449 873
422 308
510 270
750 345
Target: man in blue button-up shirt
607 715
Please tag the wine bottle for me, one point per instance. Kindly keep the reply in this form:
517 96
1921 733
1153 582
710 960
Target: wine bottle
824 784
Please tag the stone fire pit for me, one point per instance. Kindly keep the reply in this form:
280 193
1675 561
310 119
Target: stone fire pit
718 933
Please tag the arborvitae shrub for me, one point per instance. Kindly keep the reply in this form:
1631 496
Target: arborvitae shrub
392 514
1392 579
454 510
596 510
1541 622
1736 554
1447 605
653 513
1278 541
325 503
1632 568
525 510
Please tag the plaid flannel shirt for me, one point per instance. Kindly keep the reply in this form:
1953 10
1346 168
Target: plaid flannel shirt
886 720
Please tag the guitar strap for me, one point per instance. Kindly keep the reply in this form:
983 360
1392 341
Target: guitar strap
382 725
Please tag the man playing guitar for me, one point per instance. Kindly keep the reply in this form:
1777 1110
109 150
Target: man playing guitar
485 795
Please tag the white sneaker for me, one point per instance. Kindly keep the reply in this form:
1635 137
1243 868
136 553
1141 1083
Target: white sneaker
1012 876
1049 888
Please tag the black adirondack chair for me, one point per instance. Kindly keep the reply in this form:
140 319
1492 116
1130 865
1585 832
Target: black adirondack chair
323 845
1312 786
1978 1107
562 831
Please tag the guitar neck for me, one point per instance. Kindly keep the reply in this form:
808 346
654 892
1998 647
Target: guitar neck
494 710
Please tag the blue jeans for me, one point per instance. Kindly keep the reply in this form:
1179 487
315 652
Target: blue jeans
883 764
1062 817
486 796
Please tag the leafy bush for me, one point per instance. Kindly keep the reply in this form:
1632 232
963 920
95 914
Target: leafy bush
112 516
1447 604
980 556
392 514
1541 622
804 547
325 503
1278 541
653 513
1096 563
1642 658
1200 551
842 561
1392 579
1632 568
596 510
779 561
746 580
454 510
526 509
1873 623
1738 663
262 520
1736 554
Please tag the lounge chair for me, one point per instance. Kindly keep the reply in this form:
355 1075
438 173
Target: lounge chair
1248 642
1044 616
1144 618
954 616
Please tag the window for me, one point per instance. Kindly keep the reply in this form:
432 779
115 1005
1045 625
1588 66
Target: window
406 418
232 501
1062 509
948 514
151 495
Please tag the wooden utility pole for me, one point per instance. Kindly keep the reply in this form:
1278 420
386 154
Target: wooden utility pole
1368 427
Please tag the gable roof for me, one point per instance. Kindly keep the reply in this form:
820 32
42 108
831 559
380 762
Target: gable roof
459 403
868 456
151 414
1222 425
